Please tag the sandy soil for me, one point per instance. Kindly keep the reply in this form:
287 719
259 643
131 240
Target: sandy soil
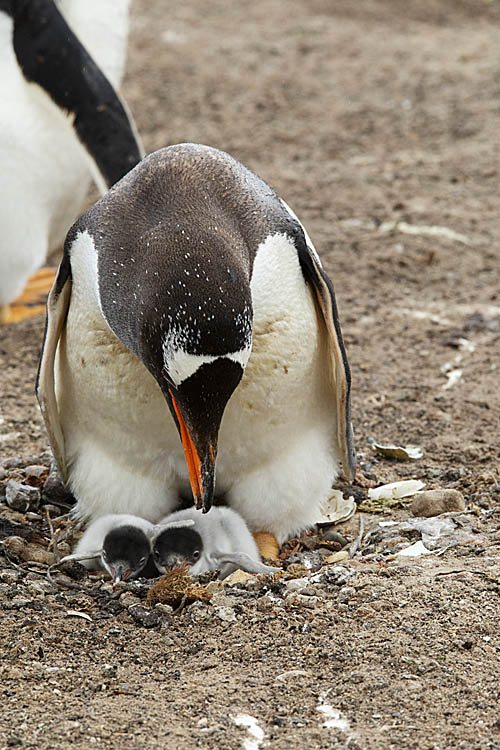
378 123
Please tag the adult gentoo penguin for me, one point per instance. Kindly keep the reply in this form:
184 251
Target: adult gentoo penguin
188 292
62 123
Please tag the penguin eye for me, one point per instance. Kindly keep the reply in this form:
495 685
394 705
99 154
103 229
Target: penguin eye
156 554
196 554
104 556
142 561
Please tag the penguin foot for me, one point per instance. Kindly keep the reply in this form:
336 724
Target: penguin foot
32 301
267 544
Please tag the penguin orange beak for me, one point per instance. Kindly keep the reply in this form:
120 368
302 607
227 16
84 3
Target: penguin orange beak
201 473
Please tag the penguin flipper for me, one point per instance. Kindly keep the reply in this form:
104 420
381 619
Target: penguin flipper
57 310
230 562
52 56
339 372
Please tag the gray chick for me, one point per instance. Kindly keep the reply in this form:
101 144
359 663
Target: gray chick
217 540
119 543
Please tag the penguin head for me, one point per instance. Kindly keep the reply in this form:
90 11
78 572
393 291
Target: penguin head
176 546
174 286
196 341
197 405
125 552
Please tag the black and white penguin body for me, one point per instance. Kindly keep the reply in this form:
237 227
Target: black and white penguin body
219 539
119 543
61 120
188 292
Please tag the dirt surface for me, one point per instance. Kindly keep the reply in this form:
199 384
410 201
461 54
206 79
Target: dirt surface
377 121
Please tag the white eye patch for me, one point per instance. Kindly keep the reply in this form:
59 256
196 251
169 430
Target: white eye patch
180 365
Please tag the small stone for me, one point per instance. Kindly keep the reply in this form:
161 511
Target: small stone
11 672
12 516
74 569
18 549
163 609
109 670
227 614
253 584
338 575
265 603
70 726
220 599
434 502
35 588
346 593
333 536
22 497
293 599
215 586
55 491
339 556
34 470
148 618
199 612
238 577
9 576
128 600
324 552
365 610
306 559
3 473
16 604
12 463
33 516
297 584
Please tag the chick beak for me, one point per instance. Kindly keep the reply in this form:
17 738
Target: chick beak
201 471
116 574
175 561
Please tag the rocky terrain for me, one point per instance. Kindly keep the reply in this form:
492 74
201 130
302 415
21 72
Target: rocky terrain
378 123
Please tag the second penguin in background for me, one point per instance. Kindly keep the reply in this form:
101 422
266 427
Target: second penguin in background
217 540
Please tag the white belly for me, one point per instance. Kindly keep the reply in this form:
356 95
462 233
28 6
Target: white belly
121 444
44 169
43 173
276 456
283 468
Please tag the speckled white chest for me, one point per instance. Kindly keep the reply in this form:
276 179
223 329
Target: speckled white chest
275 460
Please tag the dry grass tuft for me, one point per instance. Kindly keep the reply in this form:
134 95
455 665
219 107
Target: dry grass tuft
176 586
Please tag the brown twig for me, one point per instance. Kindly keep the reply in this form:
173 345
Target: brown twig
356 544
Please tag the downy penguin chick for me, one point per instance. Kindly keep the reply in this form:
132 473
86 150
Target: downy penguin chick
219 539
119 543
175 546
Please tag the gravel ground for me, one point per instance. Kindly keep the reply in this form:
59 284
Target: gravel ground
378 123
